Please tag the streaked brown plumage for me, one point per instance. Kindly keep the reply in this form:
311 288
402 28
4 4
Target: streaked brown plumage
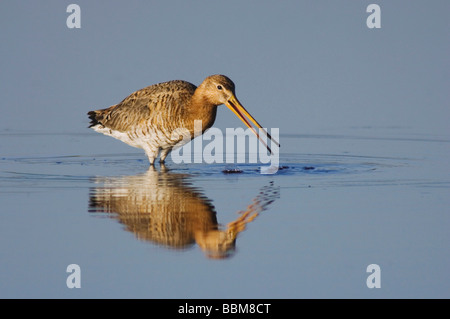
152 117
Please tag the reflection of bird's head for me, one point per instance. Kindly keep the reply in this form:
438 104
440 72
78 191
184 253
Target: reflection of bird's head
217 244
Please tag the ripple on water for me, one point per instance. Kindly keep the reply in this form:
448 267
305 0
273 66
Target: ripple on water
78 169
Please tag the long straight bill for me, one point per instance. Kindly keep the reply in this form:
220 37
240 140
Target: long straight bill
234 105
243 110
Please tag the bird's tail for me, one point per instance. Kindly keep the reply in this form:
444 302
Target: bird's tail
96 117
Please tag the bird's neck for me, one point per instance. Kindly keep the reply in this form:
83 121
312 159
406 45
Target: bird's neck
201 109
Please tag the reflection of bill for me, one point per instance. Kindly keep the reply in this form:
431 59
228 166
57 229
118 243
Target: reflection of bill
166 209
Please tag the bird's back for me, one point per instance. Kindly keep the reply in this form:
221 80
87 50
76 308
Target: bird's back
154 104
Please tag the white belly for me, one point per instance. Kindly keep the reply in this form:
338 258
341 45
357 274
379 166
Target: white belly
148 138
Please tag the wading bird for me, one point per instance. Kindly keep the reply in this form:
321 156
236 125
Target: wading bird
151 117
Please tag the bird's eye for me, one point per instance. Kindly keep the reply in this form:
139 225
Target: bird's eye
219 87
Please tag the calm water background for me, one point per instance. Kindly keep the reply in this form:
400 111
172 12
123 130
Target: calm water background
363 116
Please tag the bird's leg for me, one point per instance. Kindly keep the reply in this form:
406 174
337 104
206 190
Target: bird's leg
164 153
151 153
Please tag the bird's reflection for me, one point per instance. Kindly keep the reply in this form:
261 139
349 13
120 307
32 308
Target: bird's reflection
164 208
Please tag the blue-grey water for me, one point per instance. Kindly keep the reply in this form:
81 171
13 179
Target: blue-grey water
340 202
364 173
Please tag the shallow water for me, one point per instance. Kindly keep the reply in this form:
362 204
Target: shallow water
340 202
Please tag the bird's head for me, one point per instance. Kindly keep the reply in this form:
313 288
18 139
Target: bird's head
219 89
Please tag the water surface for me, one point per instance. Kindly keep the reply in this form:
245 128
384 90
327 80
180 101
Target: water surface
340 202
